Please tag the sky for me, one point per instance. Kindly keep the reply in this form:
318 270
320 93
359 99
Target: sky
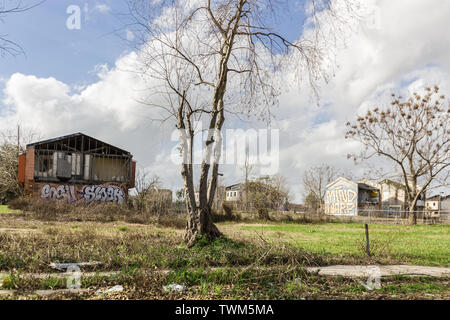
79 80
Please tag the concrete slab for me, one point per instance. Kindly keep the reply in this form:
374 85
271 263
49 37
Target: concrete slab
384 271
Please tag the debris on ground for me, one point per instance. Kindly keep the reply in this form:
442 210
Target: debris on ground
64 266
117 288
175 287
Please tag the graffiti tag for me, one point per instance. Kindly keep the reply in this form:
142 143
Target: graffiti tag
89 193
341 201
103 193
62 192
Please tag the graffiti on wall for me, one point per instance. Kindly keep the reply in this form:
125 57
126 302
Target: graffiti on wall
88 193
109 193
341 200
61 192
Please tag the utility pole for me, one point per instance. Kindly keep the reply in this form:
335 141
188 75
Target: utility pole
18 140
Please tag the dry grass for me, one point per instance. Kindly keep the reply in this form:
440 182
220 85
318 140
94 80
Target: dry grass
247 264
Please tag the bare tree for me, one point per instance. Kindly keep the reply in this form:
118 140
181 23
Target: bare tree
247 169
145 182
413 133
12 143
315 180
206 58
278 182
8 7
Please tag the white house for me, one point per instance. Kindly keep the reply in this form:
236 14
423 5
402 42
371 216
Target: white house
233 193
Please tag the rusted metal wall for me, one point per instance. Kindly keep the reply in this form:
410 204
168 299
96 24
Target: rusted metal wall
21 169
133 174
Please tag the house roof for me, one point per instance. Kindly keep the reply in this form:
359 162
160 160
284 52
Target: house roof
235 186
437 196
340 179
393 183
79 142
366 187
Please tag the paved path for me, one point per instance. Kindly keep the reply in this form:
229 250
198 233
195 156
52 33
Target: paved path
384 271
60 275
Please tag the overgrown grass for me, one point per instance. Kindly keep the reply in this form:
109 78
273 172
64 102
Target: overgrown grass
6 209
136 246
265 261
38 209
421 244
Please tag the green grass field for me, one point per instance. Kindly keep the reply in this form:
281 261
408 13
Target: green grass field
5 209
255 260
421 244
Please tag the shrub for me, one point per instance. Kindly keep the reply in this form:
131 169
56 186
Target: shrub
176 221
20 203
263 214
227 214
79 211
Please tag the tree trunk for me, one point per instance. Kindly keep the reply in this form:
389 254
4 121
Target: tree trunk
200 223
199 220
412 218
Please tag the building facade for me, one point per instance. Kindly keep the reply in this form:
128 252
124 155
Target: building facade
76 167
346 197
438 207
233 193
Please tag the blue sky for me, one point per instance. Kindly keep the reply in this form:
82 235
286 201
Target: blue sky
52 50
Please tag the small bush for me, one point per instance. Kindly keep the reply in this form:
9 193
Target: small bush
173 221
263 213
80 211
227 214
18 204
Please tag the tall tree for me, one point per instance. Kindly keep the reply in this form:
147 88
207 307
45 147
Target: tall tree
413 133
212 57
247 170
315 179
145 183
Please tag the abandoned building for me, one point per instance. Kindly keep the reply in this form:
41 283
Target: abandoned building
385 198
76 167
438 207
345 197
233 193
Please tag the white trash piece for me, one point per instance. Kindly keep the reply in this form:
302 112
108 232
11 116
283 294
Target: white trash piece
64 266
117 288
175 287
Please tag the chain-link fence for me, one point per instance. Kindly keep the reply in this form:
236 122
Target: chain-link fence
398 217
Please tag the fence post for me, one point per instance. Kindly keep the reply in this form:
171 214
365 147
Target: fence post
367 240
